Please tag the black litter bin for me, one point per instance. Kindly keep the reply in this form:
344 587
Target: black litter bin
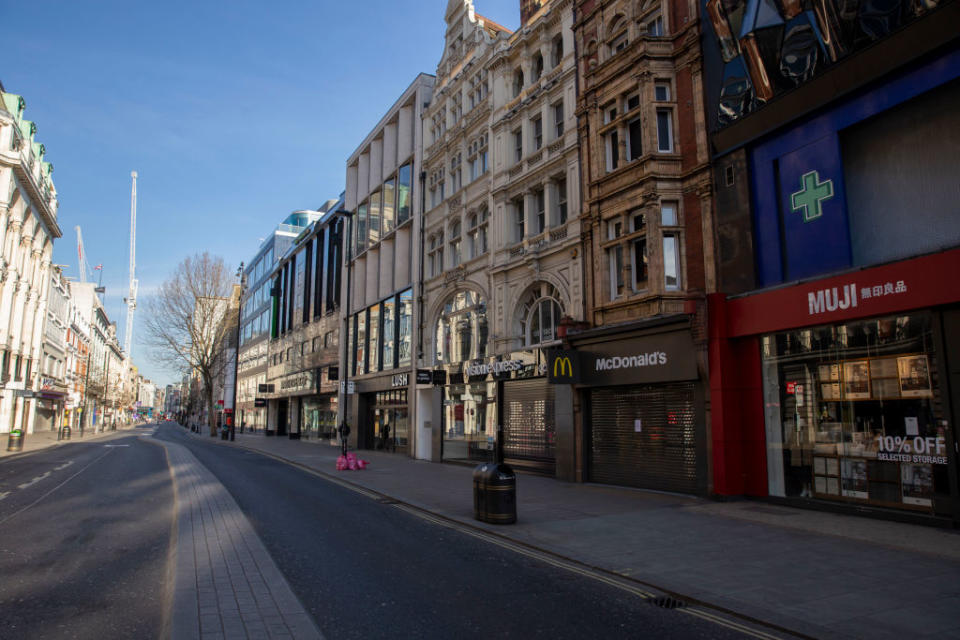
66 433
495 494
15 443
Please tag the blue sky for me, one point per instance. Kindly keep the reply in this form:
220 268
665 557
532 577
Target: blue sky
233 113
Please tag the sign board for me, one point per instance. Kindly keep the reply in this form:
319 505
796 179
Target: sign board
791 388
333 373
259 402
400 380
351 387
27 393
424 376
439 377
662 357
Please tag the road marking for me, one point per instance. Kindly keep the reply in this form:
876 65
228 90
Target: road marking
64 465
34 481
4 495
116 445
19 511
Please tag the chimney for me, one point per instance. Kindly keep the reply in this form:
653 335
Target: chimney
527 9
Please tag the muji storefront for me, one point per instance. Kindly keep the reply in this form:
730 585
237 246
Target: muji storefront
842 391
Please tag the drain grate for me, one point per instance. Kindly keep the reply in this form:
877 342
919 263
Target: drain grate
667 602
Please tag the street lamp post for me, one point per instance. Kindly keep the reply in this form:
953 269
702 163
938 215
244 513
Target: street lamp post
236 361
348 233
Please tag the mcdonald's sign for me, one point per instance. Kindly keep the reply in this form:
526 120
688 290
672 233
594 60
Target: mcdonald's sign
563 366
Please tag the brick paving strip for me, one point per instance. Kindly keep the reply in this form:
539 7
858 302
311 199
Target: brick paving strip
226 585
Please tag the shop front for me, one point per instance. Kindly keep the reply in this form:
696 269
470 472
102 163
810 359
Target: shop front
508 391
642 405
383 409
851 383
302 405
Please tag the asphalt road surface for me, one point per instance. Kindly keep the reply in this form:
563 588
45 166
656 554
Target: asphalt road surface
84 540
365 569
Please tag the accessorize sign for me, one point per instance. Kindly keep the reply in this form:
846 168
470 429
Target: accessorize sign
665 357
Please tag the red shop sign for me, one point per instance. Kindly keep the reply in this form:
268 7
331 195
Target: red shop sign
891 288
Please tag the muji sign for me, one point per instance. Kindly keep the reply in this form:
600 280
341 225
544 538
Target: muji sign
891 288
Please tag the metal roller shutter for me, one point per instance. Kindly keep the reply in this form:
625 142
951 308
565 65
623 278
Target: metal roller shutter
662 455
529 427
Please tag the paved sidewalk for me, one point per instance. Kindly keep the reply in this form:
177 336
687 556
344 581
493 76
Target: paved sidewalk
226 585
45 439
820 574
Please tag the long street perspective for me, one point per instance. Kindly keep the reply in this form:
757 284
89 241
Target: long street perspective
480 318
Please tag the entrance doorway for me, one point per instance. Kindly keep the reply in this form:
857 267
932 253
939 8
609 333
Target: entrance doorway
282 416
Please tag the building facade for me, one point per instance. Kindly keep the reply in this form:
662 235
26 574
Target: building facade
834 338
639 361
53 366
300 391
256 316
382 279
502 263
28 224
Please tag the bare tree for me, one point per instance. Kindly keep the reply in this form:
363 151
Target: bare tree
188 323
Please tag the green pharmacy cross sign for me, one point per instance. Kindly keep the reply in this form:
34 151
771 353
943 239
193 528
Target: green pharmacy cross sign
811 196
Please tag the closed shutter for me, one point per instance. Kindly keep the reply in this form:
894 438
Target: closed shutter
662 454
529 427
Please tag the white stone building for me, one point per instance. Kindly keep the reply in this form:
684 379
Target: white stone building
502 261
28 227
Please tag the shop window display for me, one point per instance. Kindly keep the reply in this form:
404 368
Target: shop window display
854 413
470 416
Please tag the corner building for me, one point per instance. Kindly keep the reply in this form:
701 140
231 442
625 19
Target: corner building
502 266
834 350
639 361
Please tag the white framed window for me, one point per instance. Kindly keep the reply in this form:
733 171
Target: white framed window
671 261
655 26
617 41
539 313
609 113
540 202
634 139
612 150
639 258
615 258
668 214
556 51
435 255
561 215
537 129
455 243
664 130
517 82
477 233
517 145
558 120
519 221
631 102
661 91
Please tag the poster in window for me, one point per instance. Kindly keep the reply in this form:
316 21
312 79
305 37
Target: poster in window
829 372
830 391
856 380
883 368
854 478
885 388
917 482
914 376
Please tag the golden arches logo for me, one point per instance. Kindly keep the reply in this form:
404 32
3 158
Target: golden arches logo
564 365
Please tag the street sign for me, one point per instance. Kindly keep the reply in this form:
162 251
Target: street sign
259 402
26 393
351 388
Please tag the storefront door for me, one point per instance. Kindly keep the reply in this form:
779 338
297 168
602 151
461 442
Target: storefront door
529 424
282 417
644 436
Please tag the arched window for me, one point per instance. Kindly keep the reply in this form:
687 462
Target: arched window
539 314
462 330
617 38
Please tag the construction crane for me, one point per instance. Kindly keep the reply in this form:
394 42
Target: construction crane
132 295
82 256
